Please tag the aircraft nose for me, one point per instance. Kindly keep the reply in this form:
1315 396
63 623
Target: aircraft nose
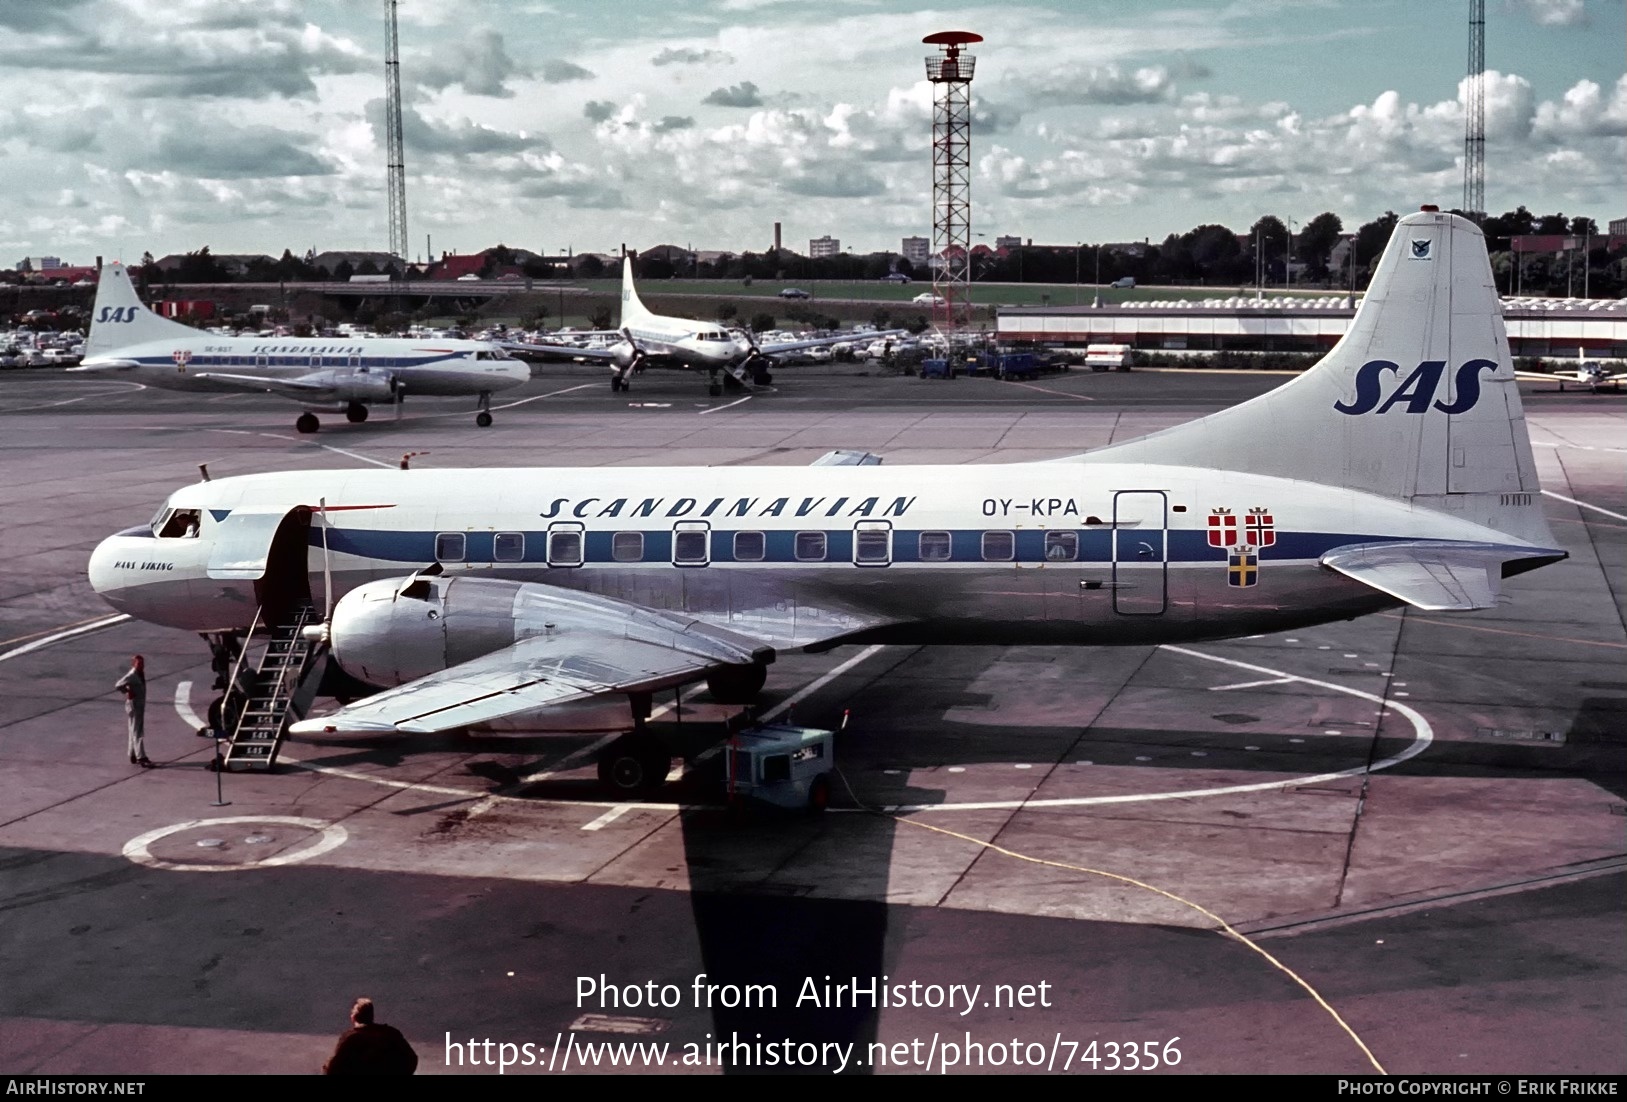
99 568
104 577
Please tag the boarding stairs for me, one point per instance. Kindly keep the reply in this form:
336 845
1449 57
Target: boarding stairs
261 702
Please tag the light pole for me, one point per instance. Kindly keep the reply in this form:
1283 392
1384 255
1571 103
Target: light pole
1098 302
1350 259
1078 250
1288 258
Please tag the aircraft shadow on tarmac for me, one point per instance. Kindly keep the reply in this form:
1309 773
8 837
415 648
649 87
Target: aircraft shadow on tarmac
778 933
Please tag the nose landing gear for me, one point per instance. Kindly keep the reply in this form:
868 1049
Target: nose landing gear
483 418
306 423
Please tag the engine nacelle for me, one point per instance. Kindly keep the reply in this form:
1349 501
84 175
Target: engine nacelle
364 385
390 632
623 354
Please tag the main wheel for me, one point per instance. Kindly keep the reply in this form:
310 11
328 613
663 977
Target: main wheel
819 794
355 413
634 765
737 684
483 419
307 423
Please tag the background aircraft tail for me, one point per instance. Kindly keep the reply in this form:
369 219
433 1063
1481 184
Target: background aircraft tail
118 319
1418 400
631 308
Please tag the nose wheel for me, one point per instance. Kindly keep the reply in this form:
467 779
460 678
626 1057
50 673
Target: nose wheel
483 418
307 423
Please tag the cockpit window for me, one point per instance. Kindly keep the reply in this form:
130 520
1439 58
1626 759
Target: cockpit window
180 524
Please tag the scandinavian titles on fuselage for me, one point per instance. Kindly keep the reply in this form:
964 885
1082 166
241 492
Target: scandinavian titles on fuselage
728 507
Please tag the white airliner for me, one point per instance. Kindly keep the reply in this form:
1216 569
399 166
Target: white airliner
1396 472
1589 373
648 338
321 373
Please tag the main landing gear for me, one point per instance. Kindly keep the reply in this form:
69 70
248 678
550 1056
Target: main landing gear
355 413
307 423
635 765
483 418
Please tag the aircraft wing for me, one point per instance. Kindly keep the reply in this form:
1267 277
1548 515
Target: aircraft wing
1435 575
821 342
525 677
303 386
559 351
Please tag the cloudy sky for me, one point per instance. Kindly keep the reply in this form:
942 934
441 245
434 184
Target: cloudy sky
166 125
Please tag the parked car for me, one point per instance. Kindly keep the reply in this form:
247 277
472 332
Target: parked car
927 298
895 277
1124 282
794 292
469 278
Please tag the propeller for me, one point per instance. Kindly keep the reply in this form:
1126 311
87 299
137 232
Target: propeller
399 385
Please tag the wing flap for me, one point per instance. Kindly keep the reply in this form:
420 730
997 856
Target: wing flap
1435 575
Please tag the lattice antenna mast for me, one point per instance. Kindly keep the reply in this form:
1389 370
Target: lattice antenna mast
1474 117
394 152
950 72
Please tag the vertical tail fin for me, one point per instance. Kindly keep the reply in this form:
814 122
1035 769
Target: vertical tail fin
118 319
631 308
1417 401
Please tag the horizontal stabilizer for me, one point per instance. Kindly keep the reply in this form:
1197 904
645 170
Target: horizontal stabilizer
1434 575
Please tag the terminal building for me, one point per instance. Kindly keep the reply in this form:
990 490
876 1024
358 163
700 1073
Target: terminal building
1536 326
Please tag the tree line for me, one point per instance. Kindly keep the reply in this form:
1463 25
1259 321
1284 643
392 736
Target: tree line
1207 255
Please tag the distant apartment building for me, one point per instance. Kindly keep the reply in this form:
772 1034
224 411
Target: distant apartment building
1009 241
39 263
824 246
1618 227
916 249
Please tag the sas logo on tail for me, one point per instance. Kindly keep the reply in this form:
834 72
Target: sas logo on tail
117 313
1415 393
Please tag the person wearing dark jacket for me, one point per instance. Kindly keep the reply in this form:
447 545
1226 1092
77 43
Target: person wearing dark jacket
370 1048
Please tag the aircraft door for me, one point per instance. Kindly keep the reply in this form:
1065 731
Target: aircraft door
1140 552
272 550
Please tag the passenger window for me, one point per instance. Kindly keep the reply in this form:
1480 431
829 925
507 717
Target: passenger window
1061 546
689 547
748 547
934 546
508 547
810 547
565 547
627 546
998 546
449 547
873 546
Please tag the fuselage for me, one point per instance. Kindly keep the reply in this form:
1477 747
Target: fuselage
1064 551
366 367
686 342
